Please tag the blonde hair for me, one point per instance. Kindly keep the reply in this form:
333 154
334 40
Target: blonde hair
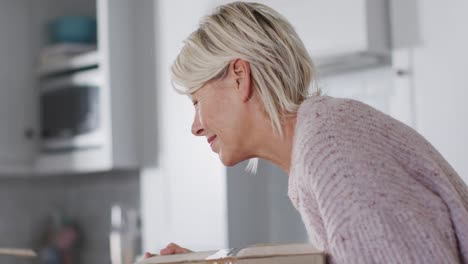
281 68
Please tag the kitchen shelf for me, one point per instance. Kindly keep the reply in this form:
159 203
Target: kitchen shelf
64 64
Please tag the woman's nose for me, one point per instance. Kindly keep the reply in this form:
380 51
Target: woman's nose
197 129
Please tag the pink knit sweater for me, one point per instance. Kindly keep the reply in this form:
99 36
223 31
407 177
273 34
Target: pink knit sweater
372 190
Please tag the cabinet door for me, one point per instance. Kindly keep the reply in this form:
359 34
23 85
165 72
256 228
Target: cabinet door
16 87
327 27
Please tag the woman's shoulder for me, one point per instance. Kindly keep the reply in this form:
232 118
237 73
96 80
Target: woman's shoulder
327 106
348 124
331 113
315 115
325 112
324 121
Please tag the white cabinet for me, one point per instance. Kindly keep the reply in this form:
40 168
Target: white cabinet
327 27
126 61
16 87
340 35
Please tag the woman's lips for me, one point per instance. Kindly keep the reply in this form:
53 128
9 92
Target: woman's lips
211 140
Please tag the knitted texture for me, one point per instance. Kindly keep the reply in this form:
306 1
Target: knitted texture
372 190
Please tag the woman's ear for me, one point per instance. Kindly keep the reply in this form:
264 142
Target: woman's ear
241 69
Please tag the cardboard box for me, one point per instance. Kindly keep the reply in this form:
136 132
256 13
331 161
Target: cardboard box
257 254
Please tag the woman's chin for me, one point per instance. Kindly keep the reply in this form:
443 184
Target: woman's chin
229 163
230 160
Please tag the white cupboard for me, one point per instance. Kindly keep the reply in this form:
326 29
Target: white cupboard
126 61
18 124
340 35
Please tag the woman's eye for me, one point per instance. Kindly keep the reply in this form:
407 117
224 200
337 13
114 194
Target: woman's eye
195 103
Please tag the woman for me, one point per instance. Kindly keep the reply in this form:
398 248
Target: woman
369 189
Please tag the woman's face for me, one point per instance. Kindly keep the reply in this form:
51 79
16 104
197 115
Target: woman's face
221 116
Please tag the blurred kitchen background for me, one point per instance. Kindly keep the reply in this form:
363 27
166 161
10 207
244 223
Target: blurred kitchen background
97 162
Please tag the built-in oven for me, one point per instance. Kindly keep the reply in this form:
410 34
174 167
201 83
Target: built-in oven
71 115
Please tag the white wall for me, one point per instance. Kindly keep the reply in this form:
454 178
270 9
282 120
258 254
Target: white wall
184 200
440 80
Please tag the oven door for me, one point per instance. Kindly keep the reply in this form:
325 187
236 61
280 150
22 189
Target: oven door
70 110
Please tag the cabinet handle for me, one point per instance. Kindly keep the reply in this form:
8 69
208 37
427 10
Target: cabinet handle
402 72
29 133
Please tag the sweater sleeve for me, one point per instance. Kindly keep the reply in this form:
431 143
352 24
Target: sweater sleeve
374 212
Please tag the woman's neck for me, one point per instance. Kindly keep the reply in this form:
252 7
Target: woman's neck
271 146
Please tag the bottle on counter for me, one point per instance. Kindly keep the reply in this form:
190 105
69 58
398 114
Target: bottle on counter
124 237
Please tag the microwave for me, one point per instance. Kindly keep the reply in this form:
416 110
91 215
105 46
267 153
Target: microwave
71 111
